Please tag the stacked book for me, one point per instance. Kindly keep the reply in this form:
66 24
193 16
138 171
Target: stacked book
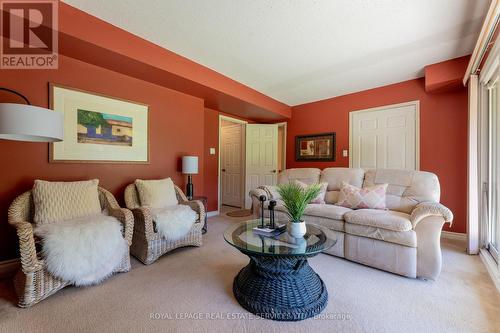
267 231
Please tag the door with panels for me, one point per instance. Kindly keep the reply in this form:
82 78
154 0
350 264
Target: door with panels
261 157
385 137
232 165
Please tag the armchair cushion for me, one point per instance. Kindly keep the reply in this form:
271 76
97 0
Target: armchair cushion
85 250
158 193
58 201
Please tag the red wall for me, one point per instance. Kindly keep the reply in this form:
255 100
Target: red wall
443 134
211 161
176 129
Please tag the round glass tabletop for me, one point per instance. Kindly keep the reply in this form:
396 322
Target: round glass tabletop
244 238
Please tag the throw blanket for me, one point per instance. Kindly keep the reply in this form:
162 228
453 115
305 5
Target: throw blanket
84 250
174 222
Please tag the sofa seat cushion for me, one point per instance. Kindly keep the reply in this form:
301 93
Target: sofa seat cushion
328 211
385 219
405 238
333 224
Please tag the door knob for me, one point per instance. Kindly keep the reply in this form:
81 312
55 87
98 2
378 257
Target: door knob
223 170
273 171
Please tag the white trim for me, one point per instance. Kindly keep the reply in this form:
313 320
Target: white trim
243 147
484 39
473 186
213 213
8 268
385 107
491 267
454 235
233 120
284 125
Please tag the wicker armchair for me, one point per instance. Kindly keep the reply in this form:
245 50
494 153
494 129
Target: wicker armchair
147 244
33 282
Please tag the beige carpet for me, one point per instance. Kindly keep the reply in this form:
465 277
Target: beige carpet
195 281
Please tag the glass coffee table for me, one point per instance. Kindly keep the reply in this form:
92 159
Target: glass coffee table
278 283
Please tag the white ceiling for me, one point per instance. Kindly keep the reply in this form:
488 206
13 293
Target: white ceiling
298 51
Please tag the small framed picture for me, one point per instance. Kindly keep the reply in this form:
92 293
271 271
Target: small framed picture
318 147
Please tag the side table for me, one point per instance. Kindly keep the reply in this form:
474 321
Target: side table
204 201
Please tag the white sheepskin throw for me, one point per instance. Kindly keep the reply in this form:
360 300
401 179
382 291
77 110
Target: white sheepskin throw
174 222
84 250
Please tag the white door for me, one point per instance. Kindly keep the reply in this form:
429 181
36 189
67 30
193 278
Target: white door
231 165
261 157
385 137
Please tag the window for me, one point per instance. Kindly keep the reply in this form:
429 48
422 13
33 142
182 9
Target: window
493 219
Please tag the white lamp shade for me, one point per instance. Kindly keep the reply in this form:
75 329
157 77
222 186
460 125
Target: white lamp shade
190 164
22 122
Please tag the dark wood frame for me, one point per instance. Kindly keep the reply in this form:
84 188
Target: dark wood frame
51 147
313 136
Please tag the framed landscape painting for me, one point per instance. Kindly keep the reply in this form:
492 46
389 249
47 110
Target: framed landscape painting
98 128
318 147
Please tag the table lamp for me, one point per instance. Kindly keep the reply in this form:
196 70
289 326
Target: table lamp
190 168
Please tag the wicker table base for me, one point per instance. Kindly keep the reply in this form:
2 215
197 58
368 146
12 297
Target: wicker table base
281 288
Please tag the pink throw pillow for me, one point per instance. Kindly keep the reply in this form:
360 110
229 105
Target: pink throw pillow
320 198
353 197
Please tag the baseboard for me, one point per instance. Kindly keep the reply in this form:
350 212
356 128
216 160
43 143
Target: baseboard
454 235
214 213
491 267
8 268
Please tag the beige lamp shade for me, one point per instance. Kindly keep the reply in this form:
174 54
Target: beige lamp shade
190 165
22 122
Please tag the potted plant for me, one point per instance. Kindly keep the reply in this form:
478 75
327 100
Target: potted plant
295 199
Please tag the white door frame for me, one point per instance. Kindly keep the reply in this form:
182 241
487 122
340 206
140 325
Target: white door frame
415 103
284 125
243 147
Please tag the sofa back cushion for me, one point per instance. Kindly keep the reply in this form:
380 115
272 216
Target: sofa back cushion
60 201
335 176
306 175
406 188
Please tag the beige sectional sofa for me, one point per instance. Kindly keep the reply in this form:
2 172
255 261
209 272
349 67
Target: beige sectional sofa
404 239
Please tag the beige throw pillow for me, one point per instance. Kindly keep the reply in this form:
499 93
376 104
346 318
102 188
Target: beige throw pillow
59 201
372 197
158 193
320 198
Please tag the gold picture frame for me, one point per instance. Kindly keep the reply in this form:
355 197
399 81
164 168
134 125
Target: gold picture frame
317 147
99 128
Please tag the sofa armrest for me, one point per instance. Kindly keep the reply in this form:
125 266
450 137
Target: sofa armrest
425 209
254 195
258 192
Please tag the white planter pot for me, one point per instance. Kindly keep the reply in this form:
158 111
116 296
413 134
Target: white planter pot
296 229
